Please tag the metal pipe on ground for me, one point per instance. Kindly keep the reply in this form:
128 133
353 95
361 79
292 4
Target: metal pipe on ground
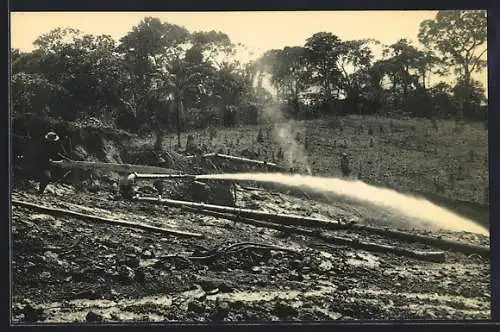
432 256
139 176
296 220
113 167
243 160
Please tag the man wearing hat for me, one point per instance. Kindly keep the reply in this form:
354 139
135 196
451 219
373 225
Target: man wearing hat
49 150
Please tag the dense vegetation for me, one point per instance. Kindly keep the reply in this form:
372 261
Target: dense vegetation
161 77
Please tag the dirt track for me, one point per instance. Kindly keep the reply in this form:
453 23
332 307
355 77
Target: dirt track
67 270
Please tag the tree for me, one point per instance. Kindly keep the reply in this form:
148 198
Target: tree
474 93
401 68
168 62
143 48
460 37
32 93
82 67
353 62
322 51
442 100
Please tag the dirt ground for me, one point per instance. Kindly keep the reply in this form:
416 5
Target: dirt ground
69 270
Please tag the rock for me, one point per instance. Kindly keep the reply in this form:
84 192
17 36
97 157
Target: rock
140 276
41 217
147 254
50 256
32 314
296 276
213 291
132 261
197 307
208 284
45 275
221 311
237 304
283 310
199 191
94 186
93 317
125 273
256 269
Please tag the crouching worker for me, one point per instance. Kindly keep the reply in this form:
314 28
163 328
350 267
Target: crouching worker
128 189
49 150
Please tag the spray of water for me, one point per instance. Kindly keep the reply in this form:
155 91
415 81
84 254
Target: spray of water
417 211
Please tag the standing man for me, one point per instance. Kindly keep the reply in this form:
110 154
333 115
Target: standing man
48 151
344 165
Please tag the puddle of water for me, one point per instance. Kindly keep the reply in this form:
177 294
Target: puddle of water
271 295
470 303
76 310
422 308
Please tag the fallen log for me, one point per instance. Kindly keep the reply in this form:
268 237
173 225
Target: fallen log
92 218
331 225
113 167
432 256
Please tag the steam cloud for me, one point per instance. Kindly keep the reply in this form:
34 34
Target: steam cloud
285 135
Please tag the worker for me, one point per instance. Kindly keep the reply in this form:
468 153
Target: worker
49 150
42 155
344 165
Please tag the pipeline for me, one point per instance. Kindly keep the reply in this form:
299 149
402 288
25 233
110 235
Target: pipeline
139 176
125 168
296 220
431 256
270 165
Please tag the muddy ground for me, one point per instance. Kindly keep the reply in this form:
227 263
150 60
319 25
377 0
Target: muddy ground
69 270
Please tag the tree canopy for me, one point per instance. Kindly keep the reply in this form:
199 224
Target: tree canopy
161 76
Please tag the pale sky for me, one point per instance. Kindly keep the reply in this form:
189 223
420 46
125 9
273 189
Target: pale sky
258 31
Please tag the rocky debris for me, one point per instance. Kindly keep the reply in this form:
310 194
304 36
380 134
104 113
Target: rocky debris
41 218
114 265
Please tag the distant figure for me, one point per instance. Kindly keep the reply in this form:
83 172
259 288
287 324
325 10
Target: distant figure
49 150
344 165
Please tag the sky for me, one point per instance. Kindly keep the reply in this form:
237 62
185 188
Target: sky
258 31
